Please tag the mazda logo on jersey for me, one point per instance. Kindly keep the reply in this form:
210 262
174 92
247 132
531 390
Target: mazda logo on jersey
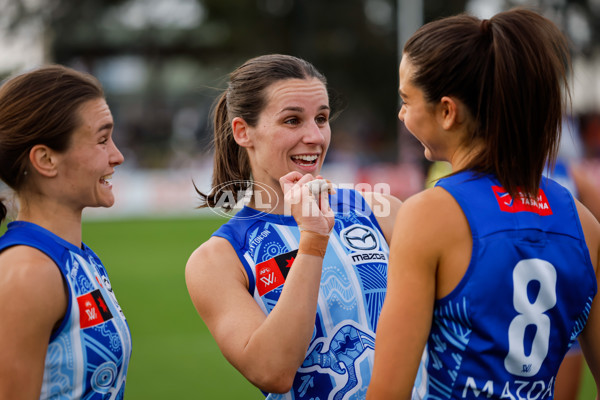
359 237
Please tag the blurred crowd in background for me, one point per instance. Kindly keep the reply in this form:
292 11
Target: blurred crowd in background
162 62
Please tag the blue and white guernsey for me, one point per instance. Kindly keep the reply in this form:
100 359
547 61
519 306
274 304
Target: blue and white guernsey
89 353
525 297
339 361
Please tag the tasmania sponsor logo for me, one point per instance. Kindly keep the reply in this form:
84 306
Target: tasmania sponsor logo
93 310
271 274
521 203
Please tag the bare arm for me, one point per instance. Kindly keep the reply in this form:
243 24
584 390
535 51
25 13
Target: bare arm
266 349
411 293
33 301
589 337
424 265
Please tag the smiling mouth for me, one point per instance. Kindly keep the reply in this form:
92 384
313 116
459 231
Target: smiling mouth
305 160
105 180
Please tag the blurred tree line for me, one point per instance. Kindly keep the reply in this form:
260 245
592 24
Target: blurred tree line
162 62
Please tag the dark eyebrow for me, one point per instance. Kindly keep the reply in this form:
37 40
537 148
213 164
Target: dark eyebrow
108 126
300 109
297 109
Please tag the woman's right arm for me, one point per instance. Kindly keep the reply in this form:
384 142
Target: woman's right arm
267 350
33 301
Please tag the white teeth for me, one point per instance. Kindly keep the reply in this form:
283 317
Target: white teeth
306 158
106 178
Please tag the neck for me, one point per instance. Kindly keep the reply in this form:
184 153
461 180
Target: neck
463 155
267 198
57 219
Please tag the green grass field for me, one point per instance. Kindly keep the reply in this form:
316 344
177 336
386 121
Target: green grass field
174 356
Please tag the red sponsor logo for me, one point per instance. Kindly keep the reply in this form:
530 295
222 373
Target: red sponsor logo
521 203
92 309
271 274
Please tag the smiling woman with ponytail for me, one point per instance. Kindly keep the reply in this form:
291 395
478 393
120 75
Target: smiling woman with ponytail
285 282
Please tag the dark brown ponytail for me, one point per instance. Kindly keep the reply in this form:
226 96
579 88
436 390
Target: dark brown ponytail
510 71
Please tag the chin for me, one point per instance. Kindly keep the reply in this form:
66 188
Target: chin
430 156
107 203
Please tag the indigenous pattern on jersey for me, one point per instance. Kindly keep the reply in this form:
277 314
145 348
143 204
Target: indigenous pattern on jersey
525 297
88 355
339 361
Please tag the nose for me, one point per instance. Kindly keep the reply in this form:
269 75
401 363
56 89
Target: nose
315 133
115 157
401 113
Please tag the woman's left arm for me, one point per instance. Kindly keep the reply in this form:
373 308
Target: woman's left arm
589 337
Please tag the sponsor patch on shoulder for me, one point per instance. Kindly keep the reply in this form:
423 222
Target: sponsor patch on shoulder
93 310
539 205
272 273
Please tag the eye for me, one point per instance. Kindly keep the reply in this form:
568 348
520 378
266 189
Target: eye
292 121
103 140
322 119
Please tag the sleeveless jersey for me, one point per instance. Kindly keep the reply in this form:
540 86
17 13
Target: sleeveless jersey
525 297
339 360
88 354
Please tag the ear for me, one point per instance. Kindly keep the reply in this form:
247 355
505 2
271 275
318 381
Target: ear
43 160
241 132
449 112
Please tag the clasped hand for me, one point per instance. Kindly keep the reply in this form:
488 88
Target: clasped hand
312 213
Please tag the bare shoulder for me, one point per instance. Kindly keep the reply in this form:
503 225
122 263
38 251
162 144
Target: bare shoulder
432 235
31 283
591 231
27 266
434 205
212 264
215 250
431 215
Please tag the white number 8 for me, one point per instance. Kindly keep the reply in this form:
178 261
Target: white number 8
517 362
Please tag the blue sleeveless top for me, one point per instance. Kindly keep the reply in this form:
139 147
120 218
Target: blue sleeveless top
88 354
524 299
340 355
